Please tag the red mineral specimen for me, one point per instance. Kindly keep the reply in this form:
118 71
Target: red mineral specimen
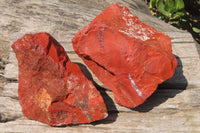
128 56
52 89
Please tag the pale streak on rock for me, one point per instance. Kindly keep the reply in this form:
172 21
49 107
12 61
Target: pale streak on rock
134 29
100 35
135 87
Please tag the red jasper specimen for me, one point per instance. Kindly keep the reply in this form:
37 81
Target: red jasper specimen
52 89
128 56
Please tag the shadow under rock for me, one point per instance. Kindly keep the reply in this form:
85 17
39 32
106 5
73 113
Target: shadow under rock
168 89
112 110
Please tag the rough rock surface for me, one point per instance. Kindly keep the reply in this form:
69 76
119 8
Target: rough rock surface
128 56
52 89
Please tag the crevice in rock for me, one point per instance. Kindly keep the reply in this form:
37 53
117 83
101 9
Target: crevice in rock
88 58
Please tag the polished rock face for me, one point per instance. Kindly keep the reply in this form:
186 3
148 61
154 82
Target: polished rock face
52 89
128 56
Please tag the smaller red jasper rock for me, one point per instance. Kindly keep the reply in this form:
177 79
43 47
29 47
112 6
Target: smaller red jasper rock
128 56
52 89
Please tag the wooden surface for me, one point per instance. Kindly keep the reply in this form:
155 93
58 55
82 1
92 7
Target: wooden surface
174 107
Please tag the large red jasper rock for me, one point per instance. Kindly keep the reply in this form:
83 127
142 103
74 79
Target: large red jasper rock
128 56
52 89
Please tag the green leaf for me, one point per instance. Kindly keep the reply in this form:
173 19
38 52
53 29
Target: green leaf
160 16
161 8
152 4
184 20
157 2
177 15
179 5
169 6
195 29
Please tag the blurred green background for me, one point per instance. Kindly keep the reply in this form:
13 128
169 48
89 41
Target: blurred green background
183 14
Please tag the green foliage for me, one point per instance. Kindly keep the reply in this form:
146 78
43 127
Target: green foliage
183 14
171 9
195 29
153 3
